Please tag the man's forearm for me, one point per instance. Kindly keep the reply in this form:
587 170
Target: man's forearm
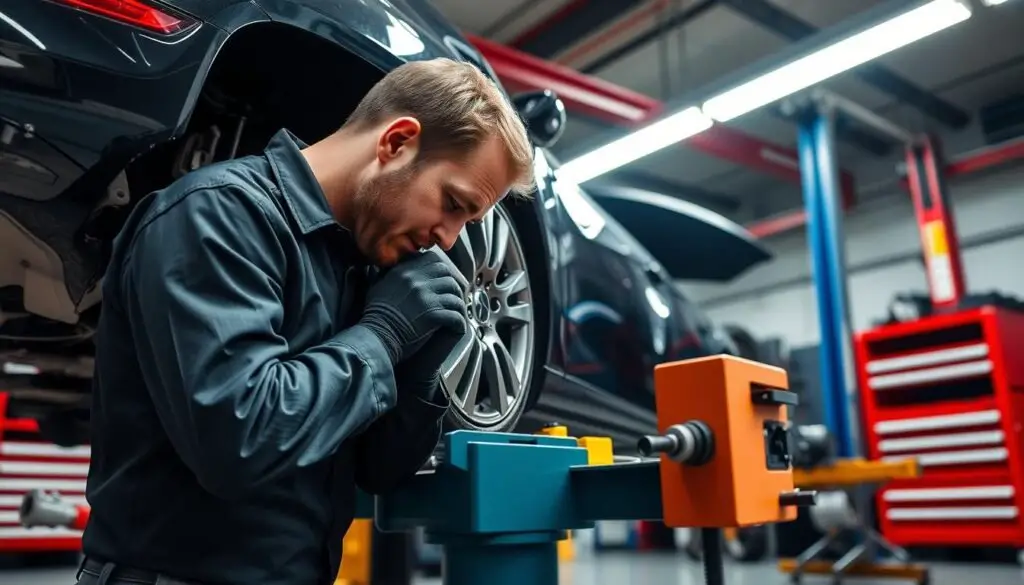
397 445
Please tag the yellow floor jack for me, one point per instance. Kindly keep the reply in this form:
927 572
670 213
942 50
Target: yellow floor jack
844 493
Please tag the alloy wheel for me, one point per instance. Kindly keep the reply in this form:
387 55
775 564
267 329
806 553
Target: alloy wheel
487 374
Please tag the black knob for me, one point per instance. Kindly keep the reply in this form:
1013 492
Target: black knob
798 498
651 444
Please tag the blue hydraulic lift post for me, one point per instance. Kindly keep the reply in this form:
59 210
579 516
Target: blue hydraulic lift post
822 200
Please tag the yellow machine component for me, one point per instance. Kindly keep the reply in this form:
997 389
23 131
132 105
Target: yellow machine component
599 450
554 431
355 553
856 471
911 572
840 509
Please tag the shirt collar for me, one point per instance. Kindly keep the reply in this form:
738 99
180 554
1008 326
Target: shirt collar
299 187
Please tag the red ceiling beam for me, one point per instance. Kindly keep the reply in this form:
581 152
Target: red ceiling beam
613 104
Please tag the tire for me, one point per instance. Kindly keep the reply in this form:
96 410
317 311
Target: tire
494 370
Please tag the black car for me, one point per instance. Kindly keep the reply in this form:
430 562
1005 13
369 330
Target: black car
104 102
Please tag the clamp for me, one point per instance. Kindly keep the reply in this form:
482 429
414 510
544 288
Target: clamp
498 503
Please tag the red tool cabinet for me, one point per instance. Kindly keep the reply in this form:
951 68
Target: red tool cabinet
27 462
949 390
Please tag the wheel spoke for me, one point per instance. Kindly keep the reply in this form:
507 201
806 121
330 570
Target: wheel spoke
463 378
462 256
516 282
481 237
518 314
453 367
499 235
500 371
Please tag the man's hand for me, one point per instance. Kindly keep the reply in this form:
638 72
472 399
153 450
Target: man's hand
420 373
414 300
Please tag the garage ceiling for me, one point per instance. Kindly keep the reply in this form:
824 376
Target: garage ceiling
667 48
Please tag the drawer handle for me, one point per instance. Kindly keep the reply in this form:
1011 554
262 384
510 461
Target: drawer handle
939 441
942 421
928 358
937 374
954 457
993 492
978 513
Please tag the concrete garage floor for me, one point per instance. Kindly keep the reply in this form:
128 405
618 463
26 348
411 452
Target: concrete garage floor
649 569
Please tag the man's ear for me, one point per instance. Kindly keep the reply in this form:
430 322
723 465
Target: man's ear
400 140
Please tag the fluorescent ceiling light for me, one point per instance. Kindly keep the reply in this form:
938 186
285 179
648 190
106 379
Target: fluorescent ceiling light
837 58
993 2
636 145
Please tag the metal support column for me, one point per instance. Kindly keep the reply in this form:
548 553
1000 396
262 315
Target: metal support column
939 241
822 200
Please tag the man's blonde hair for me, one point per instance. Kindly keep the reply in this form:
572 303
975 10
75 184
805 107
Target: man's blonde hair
458 108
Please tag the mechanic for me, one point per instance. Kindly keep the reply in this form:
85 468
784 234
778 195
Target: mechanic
272 333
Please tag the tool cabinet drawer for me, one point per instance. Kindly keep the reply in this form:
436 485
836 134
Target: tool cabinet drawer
984 509
951 443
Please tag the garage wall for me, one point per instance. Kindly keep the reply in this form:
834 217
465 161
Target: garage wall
883 257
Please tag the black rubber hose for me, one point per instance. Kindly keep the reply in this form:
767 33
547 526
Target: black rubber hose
711 545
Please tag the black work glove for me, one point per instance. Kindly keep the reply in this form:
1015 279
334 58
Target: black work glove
420 373
413 300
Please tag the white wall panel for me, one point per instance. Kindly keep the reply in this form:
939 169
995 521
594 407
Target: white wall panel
882 252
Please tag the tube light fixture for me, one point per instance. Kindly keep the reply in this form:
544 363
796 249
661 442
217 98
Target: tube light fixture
802 73
636 145
834 59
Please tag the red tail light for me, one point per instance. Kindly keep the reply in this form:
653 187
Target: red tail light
136 13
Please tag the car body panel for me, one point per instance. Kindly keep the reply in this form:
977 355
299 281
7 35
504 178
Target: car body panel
108 91
86 103
669 228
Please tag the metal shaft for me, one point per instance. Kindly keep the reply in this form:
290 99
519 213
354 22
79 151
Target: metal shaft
711 544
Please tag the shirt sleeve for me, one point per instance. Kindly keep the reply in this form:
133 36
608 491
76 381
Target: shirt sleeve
204 288
397 445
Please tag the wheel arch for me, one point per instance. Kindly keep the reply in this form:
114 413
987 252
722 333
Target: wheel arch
269 61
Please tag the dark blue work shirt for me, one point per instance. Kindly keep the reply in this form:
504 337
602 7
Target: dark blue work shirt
237 402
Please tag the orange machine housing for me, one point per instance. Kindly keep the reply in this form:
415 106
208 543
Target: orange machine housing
736 487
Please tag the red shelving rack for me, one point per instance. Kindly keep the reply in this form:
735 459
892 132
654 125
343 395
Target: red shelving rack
948 390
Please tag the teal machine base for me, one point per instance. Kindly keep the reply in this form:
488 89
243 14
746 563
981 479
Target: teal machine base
499 503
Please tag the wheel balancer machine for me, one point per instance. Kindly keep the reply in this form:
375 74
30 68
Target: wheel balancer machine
498 503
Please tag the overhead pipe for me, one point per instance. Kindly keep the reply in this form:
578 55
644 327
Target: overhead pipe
574 57
619 106
570 23
674 21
